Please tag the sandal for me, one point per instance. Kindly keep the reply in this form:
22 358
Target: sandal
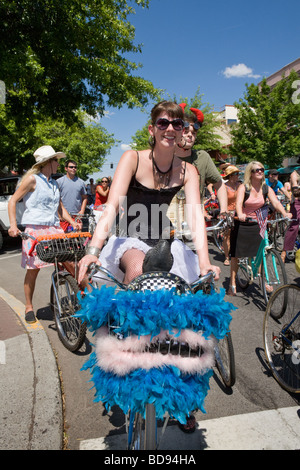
30 317
226 262
231 290
190 425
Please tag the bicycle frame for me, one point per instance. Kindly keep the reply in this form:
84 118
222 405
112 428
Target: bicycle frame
254 264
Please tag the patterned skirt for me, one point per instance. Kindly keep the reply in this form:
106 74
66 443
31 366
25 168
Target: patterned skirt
32 261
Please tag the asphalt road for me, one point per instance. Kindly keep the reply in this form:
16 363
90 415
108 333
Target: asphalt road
255 389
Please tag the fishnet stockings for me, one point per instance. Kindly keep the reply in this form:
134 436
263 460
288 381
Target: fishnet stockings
131 263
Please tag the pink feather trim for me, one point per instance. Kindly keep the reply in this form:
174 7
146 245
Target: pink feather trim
122 356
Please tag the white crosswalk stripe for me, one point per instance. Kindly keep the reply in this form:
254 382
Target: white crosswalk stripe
264 430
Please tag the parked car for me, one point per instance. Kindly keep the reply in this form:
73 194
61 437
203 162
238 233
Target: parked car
8 186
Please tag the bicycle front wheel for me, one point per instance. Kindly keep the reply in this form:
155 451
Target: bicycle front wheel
142 434
225 362
282 337
273 273
71 330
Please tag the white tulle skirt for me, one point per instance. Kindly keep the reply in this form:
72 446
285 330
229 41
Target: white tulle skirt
186 264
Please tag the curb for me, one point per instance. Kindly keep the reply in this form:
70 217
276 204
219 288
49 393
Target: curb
32 415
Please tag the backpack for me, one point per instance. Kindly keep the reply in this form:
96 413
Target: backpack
265 189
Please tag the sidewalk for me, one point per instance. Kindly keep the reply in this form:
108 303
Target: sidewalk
30 399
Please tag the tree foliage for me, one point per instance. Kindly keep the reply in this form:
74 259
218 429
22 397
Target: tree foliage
57 57
268 127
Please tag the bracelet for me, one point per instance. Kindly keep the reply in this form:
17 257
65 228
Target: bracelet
93 250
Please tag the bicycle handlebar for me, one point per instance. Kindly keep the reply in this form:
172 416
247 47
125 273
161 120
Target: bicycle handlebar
94 268
217 226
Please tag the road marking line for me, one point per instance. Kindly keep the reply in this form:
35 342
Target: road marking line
10 256
263 430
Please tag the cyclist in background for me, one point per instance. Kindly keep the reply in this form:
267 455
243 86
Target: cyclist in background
199 158
245 237
73 192
292 232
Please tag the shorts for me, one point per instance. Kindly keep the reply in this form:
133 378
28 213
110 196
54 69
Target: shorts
32 261
186 263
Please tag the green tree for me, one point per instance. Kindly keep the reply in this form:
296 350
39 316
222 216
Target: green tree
85 141
57 57
268 127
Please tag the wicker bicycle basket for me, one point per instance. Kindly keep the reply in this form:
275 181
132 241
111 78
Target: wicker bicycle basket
65 247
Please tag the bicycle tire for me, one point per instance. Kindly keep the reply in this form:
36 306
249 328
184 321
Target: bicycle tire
143 435
243 276
273 256
71 330
282 345
224 354
279 234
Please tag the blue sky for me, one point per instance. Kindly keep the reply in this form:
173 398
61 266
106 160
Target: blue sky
218 46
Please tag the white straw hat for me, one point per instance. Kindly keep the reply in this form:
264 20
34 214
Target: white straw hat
46 152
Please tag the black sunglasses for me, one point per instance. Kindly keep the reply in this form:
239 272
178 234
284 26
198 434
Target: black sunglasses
162 124
258 170
72 167
196 125
104 181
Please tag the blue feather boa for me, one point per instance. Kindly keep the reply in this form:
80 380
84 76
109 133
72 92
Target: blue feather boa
146 313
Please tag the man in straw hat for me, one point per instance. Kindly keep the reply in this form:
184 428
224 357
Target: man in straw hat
43 209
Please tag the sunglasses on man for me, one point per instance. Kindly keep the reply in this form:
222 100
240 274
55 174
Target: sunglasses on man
196 125
162 124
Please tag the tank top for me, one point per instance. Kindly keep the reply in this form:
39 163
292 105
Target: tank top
231 195
41 205
252 204
145 211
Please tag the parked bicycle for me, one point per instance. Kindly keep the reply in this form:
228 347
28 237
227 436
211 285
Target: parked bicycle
157 339
281 336
61 249
266 266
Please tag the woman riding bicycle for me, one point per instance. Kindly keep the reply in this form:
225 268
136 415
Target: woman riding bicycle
144 183
245 237
41 216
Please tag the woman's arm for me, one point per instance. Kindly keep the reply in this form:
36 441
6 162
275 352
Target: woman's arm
64 214
195 220
240 195
118 191
276 204
27 185
102 191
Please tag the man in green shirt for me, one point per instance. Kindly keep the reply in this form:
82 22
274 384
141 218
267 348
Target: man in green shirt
208 172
